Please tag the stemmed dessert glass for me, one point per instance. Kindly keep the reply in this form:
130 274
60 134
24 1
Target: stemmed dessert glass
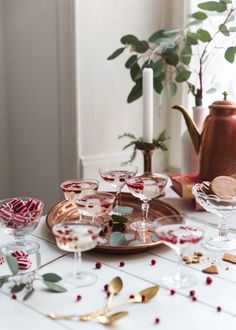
223 207
19 216
75 187
178 237
75 236
116 176
146 187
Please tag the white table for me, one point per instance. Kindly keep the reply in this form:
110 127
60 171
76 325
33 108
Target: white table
177 311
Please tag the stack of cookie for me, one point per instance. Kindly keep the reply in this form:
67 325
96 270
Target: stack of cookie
221 186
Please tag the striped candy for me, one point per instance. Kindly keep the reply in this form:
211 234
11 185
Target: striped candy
1 260
23 259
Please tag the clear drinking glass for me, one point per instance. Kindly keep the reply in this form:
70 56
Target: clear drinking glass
223 207
19 216
178 237
75 187
75 236
145 188
116 176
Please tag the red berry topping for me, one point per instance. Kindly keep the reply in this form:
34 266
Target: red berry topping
157 320
219 309
194 298
1 260
122 263
131 296
108 294
192 293
172 292
98 265
144 298
106 286
208 280
13 296
153 262
78 297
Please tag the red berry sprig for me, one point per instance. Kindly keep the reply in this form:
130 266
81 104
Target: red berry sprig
98 265
209 280
122 263
153 262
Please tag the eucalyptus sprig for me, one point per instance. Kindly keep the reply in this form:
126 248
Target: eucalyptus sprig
139 144
24 282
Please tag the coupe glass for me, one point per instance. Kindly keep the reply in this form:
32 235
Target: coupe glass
223 207
145 188
116 176
75 236
178 237
19 216
74 188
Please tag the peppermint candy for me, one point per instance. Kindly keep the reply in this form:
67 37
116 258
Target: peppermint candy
23 260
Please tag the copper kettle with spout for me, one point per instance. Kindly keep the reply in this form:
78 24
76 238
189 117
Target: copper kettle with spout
216 145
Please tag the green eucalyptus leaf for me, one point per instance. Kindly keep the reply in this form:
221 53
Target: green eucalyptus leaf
17 287
3 280
54 287
119 218
136 92
186 54
226 1
51 277
171 32
28 294
117 239
224 30
191 38
211 90
156 36
213 6
232 29
172 88
12 264
129 39
157 67
203 35
199 15
182 74
141 46
134 71
171 59
157 84
116 53
230 54
131 61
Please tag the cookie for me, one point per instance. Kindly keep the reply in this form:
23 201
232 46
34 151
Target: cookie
229 257
211 270
223 186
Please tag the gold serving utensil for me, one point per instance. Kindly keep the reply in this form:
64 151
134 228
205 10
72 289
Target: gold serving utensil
110 319
114 287
142 297
54 316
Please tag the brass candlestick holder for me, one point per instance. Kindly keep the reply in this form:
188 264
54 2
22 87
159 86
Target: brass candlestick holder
147 151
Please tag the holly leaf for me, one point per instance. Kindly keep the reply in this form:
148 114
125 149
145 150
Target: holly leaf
116 53
51 277
54 287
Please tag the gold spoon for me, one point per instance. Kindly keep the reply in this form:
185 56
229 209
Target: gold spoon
141 297
114 287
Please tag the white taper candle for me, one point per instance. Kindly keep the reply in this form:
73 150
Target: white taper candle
147 105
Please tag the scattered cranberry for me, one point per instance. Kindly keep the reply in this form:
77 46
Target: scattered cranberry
122 263
219 309
98 265
108 294
78 297
153 262
208 280
172 292
192 293
157 320
194 298
144 298
106 286
13 296
131 296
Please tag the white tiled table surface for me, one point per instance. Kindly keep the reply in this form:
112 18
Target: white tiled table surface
177 311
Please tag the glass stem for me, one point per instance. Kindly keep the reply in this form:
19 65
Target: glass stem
118 196
179 266
223 228
77 263
145 208
19 239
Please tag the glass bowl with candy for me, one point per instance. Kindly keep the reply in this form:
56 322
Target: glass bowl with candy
19 216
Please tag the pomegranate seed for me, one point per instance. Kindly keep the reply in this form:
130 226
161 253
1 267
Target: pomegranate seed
172 292
108 294
219 309
144 298
78 297
194 298
122 263
13 296
106 287
208 280
157 320
98 265
192 293
153 262
131 296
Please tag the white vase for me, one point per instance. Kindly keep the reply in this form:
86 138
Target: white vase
190 160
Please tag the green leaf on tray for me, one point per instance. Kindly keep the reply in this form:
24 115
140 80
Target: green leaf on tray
117 239
17 287
119 218
51 277
29 294
54 287
12 264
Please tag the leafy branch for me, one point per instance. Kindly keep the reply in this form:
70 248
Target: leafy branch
139 144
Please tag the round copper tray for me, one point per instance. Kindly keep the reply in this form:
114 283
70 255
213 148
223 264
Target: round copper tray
68 210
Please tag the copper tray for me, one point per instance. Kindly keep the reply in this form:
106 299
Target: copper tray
158 208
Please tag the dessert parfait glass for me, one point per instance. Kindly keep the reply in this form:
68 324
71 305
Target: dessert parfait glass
146 187
223 207
116 176
19 216
74 188
179 237
75 236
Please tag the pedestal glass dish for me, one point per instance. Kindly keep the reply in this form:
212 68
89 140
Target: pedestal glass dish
146 187
75 236
223 207
19 217
74 188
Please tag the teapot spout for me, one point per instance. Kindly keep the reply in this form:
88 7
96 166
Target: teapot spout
192 129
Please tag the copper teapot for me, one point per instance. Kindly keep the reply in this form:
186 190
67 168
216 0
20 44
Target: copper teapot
216 145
